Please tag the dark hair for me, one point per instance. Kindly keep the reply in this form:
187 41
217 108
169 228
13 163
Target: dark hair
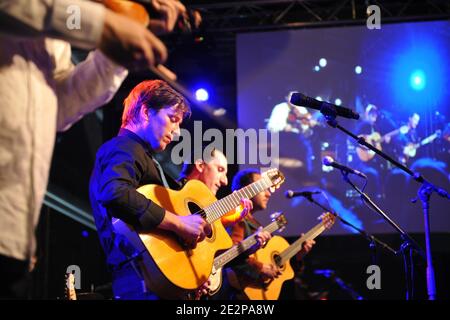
188 167
153 94
243 178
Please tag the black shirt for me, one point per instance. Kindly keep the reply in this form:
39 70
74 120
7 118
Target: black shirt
122 165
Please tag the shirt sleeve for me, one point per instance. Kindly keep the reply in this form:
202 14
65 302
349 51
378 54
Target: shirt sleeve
278 117
120 172
78 22
237 232
85 87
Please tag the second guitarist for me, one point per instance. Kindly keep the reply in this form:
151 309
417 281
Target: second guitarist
245 267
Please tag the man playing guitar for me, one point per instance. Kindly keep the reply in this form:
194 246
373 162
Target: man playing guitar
152 115
409 140
246 267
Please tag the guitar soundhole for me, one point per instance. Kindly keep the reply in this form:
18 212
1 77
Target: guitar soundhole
195 209
277 259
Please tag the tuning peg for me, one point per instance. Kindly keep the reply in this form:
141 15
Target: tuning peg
276 215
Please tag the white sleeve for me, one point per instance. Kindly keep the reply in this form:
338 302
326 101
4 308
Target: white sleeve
278 118
78 22
85 87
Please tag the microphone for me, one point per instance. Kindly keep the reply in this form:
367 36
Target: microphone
324 107
329 161
291 194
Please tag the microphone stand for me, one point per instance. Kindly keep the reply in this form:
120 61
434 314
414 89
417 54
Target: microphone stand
408 243
424 195
372 239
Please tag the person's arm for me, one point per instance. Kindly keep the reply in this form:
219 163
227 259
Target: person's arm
245 206
306 248
237 232
278 117
84 24
54 18
121 171
85 87
170 11
244 265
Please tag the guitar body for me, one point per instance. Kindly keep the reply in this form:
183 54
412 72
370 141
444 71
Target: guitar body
170 269
215 280
365 154
270 290
411 149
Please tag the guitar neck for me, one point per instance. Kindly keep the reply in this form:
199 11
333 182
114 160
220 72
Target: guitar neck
392 133
242 246
428 139
297 245
230 202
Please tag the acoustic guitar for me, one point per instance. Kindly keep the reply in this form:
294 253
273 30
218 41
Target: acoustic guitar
278 224
170 269
70 293
279 252
375 139
410 150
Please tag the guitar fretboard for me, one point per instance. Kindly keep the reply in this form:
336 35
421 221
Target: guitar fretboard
242 246
230 202
297 245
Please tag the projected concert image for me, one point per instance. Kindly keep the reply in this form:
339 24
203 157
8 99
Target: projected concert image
396 78
223 150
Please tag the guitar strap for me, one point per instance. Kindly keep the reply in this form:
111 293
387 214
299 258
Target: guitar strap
161 172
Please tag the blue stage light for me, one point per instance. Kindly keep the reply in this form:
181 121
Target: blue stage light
418 70
418 80
202 95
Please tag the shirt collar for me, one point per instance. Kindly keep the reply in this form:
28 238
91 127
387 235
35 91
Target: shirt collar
135 137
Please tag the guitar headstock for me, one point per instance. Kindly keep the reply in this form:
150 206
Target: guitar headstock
328 219
70 287
280 219
276 178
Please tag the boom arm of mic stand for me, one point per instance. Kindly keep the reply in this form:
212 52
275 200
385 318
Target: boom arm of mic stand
369 237
369 201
